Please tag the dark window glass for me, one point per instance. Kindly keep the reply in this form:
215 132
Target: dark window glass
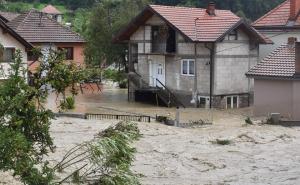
32 56
191 67
185 67
8 54
69 52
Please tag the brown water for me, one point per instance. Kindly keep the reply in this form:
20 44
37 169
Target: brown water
114 101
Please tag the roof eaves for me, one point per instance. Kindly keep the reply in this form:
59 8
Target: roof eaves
135 23
15 35
171 25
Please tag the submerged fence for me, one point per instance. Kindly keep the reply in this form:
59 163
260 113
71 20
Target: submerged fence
138 118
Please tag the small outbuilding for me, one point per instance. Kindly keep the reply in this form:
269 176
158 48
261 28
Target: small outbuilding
277 82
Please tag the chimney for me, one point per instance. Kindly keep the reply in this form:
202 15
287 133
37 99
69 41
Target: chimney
297 58
211 9
294 9
292 41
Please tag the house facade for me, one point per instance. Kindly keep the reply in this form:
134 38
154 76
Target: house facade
46 33
11 41
277 82
191 56
278 25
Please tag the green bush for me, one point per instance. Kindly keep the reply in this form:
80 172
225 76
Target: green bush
222 142
68 104
248 121
114 75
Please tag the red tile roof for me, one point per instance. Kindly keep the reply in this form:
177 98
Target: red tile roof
49 9
280 63
35 27
193 23
279 16
208 28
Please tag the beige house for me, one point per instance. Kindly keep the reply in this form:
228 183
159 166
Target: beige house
277 82
180 56
11 41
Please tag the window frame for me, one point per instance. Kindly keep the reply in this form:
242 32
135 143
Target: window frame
233 33
232 103
13 54
188 67
66 48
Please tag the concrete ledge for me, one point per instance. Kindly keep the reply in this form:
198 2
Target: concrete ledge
290 123
71 115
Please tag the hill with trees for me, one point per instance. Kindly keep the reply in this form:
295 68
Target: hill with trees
252 9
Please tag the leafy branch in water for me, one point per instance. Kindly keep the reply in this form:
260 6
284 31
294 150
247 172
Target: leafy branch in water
104 160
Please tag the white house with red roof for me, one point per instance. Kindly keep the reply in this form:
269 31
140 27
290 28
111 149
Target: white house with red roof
181 56
279 24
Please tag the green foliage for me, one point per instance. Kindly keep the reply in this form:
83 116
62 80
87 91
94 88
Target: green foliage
248 121
114 75
104 160
68 104
24 128
222 142
106 19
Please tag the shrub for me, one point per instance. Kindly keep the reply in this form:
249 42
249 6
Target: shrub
248 121
222 142
68 104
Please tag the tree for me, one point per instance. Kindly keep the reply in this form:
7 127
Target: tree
106 19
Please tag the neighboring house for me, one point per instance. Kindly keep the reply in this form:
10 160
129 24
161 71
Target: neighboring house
279 24
277 82
191 56
41 31
11 41
53 13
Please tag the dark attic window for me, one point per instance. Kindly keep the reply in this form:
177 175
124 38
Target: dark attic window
233 35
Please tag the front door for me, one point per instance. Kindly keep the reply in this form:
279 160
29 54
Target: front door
157 73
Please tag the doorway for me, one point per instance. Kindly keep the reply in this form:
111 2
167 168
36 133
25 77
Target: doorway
157 73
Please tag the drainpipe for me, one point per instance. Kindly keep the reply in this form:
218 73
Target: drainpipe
249 67
196 79
211 80
195 98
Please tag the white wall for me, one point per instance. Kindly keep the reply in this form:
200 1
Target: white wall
9 41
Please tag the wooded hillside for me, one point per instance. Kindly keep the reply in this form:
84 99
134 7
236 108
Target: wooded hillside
252 9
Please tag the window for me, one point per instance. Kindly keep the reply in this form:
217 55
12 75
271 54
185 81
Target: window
232 102
203 101
69 52
31 56
188 67
233 35
8 54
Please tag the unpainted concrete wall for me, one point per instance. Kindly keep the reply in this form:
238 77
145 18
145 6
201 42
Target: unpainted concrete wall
279 38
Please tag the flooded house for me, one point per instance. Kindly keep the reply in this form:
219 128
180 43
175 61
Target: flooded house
198 57
277 82
278 25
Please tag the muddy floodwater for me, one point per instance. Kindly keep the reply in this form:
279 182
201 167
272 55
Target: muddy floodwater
112 100
255 155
